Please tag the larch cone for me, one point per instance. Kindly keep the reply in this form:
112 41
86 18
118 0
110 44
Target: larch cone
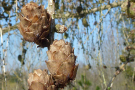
41 80
35 24
61 63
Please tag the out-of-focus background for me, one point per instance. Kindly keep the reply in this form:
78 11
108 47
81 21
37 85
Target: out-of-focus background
97 30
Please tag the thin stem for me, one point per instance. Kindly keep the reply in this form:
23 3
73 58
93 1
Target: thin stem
124 32
118 71
100 30
51 11
3 61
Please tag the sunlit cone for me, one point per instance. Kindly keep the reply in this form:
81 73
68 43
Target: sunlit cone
61 63
85 22
34 24
60 28
123 58
40 80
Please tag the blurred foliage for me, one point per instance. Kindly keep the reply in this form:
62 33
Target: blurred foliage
84 82
56 4
15 80
129 71
128 8
128 55
97 88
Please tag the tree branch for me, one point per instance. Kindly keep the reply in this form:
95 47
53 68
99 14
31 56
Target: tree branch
5 30
51 11
104 7
70 15
118 71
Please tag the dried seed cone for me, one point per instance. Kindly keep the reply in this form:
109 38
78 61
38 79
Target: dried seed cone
40 80
61 63
34 24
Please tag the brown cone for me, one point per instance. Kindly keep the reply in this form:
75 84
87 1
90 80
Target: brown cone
35 24
40 80
61 63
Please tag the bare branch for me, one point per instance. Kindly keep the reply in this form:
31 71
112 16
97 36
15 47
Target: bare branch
104 7
118 71
51 10
5 30
69 14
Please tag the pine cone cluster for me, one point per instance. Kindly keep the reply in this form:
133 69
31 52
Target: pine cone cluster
34 24
61 65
